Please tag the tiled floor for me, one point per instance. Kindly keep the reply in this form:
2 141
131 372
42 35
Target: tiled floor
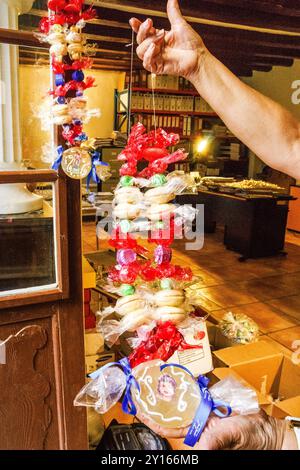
267 290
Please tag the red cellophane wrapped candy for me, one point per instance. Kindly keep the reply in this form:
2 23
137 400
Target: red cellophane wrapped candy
71 132
65 14
161 343
73 85
60 67
161 165
152 147
120 240
149 273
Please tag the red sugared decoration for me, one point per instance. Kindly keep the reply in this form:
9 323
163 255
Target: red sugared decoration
161 343
73 6
60 67
154 153
73 85
120 240
152 147
56 5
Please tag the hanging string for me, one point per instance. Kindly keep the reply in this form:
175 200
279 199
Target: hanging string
130 81
153 77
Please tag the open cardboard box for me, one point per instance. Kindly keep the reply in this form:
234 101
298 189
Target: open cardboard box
273 375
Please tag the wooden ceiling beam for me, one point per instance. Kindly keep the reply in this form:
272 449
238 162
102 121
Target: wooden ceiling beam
95 21
195 12
210 34
284 8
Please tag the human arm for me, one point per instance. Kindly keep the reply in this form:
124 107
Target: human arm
268 129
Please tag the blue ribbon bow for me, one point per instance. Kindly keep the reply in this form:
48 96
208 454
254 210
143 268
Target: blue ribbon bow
128 405
93 174
56 164
207 406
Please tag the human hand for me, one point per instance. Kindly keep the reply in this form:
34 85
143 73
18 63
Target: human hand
179 51
242 432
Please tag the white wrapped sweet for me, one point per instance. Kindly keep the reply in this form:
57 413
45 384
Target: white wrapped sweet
104 391
239 328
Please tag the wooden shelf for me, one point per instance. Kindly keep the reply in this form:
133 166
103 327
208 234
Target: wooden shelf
166 91
170 113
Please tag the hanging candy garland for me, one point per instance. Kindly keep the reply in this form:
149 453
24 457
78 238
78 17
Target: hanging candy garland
152 301
153 304
69 52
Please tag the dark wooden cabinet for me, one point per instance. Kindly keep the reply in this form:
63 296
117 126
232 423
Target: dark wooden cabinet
254 227
44 343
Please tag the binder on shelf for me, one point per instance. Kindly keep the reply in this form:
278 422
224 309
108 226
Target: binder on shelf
173 103
160 103
147 101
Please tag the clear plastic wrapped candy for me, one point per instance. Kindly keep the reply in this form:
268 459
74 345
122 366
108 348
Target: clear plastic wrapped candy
104 391
241 399
239 328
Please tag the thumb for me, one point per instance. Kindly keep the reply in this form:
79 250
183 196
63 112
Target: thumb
174 13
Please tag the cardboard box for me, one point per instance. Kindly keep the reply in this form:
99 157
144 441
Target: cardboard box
93 363
93 342
217 339
268 371
290 407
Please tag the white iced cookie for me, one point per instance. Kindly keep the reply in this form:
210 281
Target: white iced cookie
169 297
129 303
158 196
130 195
160 211
133 320
174 314
126 211
169 397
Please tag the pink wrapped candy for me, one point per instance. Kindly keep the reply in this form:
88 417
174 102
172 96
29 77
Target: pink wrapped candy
126 256
162 254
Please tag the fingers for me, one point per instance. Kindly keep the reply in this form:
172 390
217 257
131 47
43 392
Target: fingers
156 40
174 13
150 63
135 24
146 29
143 30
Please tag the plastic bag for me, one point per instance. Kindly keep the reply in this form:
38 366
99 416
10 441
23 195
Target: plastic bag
104 391
239 328
241 399
113 329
